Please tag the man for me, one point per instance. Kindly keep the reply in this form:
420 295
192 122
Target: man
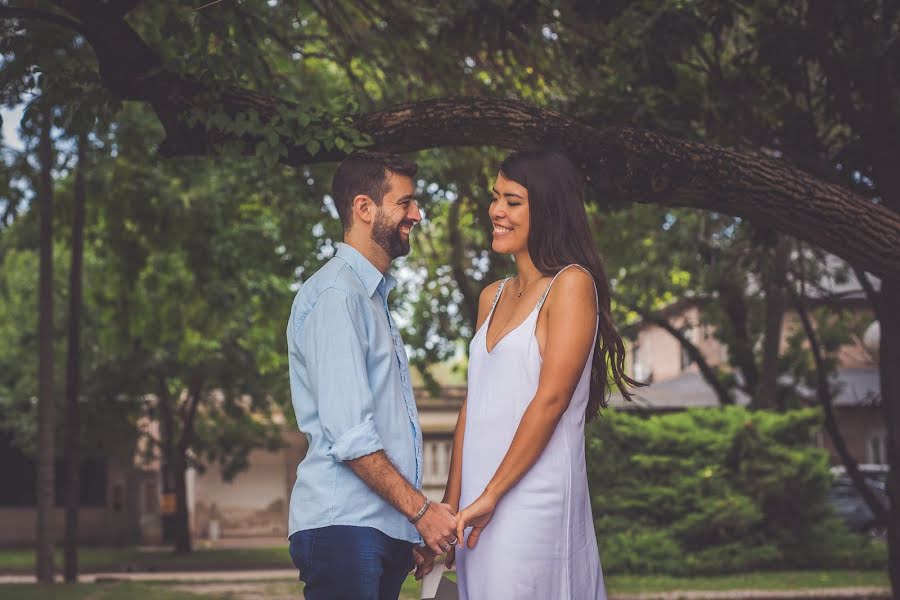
356 511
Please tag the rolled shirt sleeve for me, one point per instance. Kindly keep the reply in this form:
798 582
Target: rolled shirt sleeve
335 348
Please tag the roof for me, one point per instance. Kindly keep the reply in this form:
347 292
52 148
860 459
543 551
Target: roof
688 390
854 388
857 387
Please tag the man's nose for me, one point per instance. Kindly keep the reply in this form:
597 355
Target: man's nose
414 214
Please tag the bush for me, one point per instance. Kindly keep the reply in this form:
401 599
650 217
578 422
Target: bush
715 491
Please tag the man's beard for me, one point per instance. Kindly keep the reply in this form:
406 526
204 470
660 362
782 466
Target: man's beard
389 238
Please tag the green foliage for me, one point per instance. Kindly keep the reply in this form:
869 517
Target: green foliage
716 491
189 272
190 263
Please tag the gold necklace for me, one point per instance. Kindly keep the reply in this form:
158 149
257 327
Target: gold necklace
520 292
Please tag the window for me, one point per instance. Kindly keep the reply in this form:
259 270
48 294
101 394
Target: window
638 369
118 497
685 359
875 451
151 498
20 477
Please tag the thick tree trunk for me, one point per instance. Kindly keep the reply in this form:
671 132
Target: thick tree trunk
73 372
889 369
182 517
46 454
175 455
182 513
766 394
622 164
887 177
167 461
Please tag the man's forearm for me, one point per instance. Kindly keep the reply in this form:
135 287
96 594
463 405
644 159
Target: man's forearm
385 480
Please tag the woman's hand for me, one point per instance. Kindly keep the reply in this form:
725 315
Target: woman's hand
477 516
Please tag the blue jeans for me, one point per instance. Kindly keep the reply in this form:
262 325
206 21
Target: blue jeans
342 562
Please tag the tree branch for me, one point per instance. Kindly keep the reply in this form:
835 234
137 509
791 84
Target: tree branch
708 373
873 296
621 164
824 396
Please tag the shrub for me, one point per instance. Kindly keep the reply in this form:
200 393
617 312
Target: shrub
714 491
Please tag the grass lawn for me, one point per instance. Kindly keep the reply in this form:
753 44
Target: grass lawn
768 580
278 590
93 559
168 591
99 591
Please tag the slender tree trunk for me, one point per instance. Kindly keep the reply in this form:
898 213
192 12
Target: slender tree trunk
182 513
175 460
167 459
766 394
73 372
182 516
741 352
45 491
831 426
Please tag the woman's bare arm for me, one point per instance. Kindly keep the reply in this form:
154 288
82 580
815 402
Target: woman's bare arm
571 313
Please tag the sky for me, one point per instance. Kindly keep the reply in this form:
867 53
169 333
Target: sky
11 118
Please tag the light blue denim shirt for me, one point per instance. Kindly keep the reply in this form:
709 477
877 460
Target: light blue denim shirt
352 395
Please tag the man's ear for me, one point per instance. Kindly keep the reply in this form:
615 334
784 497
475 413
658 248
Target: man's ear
363 208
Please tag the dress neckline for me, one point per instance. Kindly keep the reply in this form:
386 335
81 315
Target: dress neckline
490 317
486 326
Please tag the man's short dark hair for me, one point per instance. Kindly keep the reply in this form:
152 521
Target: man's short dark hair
365 173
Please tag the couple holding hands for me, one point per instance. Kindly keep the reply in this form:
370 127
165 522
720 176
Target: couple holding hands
516 516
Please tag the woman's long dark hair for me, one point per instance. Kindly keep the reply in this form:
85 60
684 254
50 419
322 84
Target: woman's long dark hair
559 236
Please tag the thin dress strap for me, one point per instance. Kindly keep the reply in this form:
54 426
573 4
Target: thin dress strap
547 291
496 298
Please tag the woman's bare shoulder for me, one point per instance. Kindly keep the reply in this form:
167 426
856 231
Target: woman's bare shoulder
489 291
572 286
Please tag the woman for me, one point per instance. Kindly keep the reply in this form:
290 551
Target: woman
537 371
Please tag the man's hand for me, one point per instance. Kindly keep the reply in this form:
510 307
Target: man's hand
438 528
450 560
424 559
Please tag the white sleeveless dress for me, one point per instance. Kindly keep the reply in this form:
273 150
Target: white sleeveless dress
540 542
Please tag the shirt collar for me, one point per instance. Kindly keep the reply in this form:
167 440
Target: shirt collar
370 276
